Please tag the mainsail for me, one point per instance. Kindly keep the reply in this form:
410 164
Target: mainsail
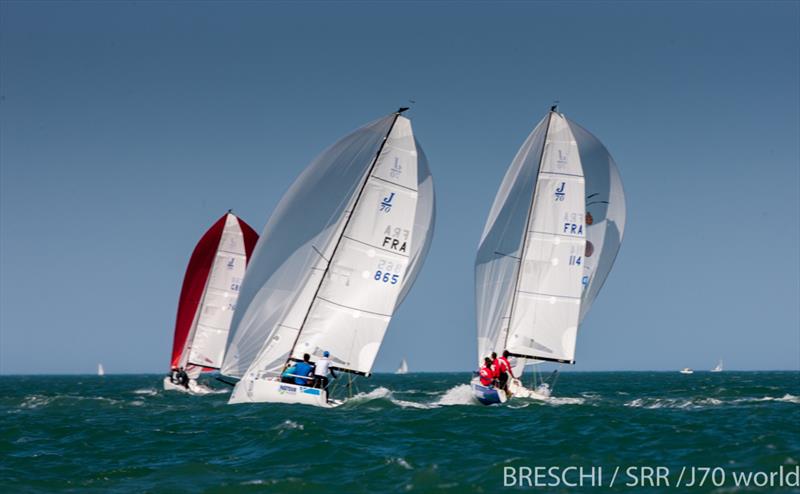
209 294
560 210
337 256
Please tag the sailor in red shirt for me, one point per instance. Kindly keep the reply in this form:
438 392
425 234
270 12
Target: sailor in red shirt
486 372
503 369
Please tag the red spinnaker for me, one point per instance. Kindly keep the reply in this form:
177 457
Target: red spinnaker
194 281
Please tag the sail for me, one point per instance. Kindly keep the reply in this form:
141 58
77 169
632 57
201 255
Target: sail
336 254
499 250
403 369
209 293
605 206
532 308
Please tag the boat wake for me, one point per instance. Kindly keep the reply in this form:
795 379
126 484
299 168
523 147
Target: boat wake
460 394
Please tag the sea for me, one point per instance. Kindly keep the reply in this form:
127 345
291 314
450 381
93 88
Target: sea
419 432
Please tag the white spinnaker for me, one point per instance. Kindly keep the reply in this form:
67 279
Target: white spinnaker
499 251
546 309
293 249
605 201
205 345
357 298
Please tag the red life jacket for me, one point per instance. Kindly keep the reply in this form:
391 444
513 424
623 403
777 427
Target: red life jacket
486 376
503 365
496 368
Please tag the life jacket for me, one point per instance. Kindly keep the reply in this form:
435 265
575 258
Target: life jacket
487 375
496 368
503 365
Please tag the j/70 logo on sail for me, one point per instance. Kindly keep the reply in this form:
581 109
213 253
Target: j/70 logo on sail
386 203
560 192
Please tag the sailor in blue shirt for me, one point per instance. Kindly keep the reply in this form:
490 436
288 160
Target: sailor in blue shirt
303 368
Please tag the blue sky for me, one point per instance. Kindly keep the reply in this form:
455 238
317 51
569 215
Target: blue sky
126 129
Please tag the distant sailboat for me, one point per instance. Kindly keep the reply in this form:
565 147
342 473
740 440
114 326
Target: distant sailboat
550 241
100 370
687 370
334 262
403 369
207 301
718 367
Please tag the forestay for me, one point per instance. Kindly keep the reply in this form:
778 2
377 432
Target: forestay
335 259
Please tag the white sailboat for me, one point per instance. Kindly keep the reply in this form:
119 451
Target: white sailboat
551 239
100 370
718 367
207 301
403 369
686 370
335 260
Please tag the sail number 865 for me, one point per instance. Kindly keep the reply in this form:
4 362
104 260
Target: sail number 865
386 277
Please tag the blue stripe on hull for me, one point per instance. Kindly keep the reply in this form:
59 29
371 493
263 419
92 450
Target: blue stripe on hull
486 395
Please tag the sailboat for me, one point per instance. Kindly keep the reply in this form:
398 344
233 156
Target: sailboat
403 369
718 367
207 301
548 245
100 370
334 262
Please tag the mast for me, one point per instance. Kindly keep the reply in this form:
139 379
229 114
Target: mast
525 234
339 240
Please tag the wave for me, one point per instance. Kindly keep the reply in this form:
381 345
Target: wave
146 391
697 403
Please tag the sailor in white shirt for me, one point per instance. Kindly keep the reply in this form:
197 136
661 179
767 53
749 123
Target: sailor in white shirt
321 370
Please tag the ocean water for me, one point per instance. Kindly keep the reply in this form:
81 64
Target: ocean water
413 433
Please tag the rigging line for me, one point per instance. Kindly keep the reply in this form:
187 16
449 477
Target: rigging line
344 229
527 222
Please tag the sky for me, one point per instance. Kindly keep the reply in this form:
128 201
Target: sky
127 129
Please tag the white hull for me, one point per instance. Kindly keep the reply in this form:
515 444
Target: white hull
272 390
194 388
687 371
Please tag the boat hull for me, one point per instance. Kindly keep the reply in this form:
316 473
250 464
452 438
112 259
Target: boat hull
194 388
488 395
272 390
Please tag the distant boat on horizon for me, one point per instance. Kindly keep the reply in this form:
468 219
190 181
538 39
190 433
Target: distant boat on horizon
718 367
403 369
687 370
100 370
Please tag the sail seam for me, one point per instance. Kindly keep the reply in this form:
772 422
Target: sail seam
393 183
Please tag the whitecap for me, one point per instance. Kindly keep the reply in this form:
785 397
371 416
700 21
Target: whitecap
146 391
400 461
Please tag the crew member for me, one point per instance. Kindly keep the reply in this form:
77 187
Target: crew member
486 372
504 370
303 368
321 370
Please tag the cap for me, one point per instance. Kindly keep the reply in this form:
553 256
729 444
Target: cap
326 353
